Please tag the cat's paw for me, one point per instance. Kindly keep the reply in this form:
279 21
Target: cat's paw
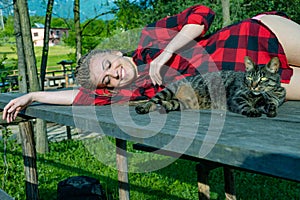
166 107
145 108
271 110
251 112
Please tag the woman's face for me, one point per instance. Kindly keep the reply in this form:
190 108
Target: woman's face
112 70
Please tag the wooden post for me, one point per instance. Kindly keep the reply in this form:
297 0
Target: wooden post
29 156
202 177
122 169
41 136
229 184
203 170
69 134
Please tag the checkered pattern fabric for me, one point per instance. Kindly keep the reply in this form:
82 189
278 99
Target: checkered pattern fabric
223 50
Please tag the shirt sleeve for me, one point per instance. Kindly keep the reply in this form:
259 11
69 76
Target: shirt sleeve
198 14
88 97
101 97
156 36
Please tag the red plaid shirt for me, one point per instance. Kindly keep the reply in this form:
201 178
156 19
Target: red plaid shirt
223 50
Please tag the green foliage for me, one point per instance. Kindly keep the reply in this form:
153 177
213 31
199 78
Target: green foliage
7 35
290 7
9 26
3 74
133 15
37 19
61 23
249 8
129 15
176 181
93 32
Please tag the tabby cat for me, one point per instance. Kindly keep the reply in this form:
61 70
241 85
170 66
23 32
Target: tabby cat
252 93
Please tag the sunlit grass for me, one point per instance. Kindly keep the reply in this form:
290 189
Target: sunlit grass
178 181
55 55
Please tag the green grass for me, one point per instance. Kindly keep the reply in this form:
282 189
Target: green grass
176 181
56 54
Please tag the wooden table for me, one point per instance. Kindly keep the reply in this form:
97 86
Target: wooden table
269 146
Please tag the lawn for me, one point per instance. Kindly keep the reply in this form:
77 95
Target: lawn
56 54
174 182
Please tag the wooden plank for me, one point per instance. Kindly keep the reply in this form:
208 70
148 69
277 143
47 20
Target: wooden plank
5 196
264 145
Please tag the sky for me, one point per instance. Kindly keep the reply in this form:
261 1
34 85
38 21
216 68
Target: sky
64 8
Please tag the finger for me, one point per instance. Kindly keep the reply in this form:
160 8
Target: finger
159 79
4 114
153 81
7 107
8 118
13 107
16 113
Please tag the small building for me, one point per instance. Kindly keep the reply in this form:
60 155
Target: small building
55 35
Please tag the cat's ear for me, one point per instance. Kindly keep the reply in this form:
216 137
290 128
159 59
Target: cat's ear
249 64
273 65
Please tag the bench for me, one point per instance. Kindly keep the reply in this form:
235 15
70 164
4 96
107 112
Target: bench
66 73
268 146
59 75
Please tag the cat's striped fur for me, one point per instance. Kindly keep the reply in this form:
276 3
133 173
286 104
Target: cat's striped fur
252 93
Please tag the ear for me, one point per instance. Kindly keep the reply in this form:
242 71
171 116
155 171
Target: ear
249 64
273 65
118 53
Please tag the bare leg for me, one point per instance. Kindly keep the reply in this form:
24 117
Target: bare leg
287 32
293 88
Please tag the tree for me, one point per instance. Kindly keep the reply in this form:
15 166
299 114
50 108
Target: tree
22 79
42 141
46 42
28 46
226 12
77 29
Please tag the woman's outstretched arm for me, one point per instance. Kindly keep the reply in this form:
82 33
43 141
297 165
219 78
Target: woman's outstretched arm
12 109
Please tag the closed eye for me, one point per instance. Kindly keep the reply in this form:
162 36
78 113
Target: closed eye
106 64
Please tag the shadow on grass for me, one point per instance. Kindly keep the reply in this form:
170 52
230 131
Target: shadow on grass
156 194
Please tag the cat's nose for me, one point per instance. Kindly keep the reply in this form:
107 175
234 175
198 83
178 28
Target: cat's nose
254 84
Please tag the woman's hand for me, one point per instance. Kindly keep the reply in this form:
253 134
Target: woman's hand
64 97
12 109
156 65
187 34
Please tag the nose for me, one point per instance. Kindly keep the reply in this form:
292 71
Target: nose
254 84
113 73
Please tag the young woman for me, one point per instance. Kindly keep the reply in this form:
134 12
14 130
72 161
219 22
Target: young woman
173 48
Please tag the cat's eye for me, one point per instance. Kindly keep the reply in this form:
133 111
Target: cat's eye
249 78
264 79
